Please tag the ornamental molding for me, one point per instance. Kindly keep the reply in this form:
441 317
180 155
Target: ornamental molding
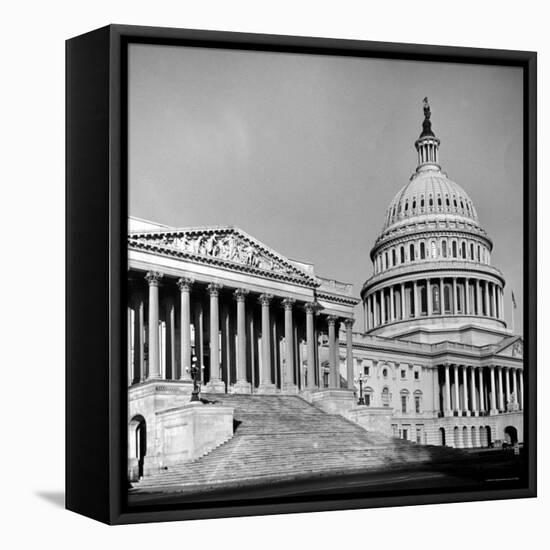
337 299
415 238
223 246
153 277
420 232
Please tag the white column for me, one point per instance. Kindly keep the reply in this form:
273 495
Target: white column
448 411
457 396
266 385
514 384
171 322
455 297
184 284
465 388
494 299
215 384
500 392
310 308
333 357
242 385
153 278
139 329
487 309
493 391
479 306
473 390
467 296
403 302
507 386
288 382
349 352
481 390
441 297
429 297
392 304
383 319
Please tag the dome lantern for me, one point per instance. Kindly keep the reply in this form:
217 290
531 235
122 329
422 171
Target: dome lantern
427 144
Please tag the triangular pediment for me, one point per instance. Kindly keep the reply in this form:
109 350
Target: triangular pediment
511 347
230 247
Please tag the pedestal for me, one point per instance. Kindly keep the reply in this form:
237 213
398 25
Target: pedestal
267 389
215 386
241 386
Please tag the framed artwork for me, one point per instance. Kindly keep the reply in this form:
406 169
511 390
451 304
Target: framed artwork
301 274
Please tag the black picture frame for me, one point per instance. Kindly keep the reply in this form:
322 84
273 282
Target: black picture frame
96 229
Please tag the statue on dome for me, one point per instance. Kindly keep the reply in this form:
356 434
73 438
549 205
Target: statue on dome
426 106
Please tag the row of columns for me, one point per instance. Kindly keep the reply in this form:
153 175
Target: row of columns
215 382
478 395
409 300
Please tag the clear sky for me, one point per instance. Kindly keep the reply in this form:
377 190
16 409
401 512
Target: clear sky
305 152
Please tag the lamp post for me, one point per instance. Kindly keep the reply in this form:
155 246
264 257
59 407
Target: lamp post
195 372
360 380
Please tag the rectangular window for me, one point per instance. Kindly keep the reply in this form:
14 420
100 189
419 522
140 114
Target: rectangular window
403 374
367 399
416 375
418 435
366 371
404 403
417 403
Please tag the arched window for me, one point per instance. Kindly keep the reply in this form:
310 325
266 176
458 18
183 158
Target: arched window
471 251
385 397
402 254
422 202
422 251
411 252
386 265
385 372
436 304
454 250
454 202
459 298
463 249
478 253
444 249
404 398
438 201
447 201
431 203
369 396
447 298
434 249
417 401
393 258
414 204
406 206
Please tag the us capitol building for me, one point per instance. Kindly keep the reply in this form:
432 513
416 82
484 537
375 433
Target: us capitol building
434 362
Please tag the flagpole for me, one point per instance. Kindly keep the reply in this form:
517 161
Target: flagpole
513 314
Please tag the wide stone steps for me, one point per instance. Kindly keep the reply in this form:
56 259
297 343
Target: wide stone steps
278 437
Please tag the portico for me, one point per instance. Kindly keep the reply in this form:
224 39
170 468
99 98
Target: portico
256 321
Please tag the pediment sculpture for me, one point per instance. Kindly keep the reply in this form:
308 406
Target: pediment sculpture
231 247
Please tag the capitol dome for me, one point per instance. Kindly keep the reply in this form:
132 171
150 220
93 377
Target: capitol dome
429 193
432 258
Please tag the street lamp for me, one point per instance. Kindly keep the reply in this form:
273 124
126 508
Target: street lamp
195 372
360 380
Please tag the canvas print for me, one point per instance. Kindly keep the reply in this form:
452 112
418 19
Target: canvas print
325 275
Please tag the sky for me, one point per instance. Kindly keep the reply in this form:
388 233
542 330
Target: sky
305 152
